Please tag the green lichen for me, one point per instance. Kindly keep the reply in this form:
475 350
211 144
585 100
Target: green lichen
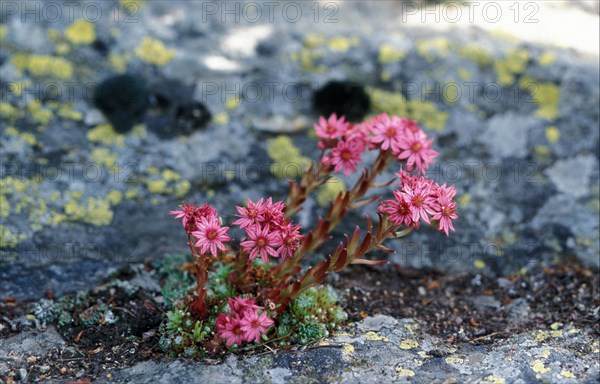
81 32
288 163
43 65
423 112
153 51
329 191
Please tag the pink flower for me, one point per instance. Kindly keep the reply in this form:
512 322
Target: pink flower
400 210
345 156
252 214
238 305
445 208
415 148
421 199
230 328
261 242
331 128
273 213
189 214
290 240
387 132
253 325
210 235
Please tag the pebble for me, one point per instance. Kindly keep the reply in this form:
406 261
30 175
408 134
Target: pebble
280 124
23 374
31 360
44 368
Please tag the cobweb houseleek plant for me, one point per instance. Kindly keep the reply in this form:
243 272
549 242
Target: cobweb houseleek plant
264 274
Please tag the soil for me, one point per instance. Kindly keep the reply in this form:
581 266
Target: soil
460 308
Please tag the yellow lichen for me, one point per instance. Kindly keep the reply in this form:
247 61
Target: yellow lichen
541 150
514 63
552 134
409 344
347 349
66 111
4 207
153 51
374 336
114 197
62 48
479 264
43 65
464 199
544 354
463 74
131 5
567 374
29 138
547 97
454 360
547 58
494 380
104 156
81 32
96 212
182 188
118 62
9 239
221 118
170 175
476 53
288 163
139 130
8 111
38 113
329 191
389 54
3 31
404 372
157 186
423 112
105 134
343 44
232 102
313 40
432 48
539 367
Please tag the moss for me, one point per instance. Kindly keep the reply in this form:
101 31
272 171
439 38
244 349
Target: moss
81 32
105 134
43 65
329 191
389 54
287 161
153 51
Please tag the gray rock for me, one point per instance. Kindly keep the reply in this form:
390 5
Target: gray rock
506 134
31 343
572 176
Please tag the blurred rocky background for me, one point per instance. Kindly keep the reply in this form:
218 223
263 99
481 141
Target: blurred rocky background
114 112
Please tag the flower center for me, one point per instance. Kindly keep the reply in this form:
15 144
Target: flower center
255 324
418 201
416 147
211 234
346 155
261 242
251 213
391 132
330 129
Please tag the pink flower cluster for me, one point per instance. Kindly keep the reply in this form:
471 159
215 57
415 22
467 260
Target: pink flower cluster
419 199
203 223
243 323
401 136
269 232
